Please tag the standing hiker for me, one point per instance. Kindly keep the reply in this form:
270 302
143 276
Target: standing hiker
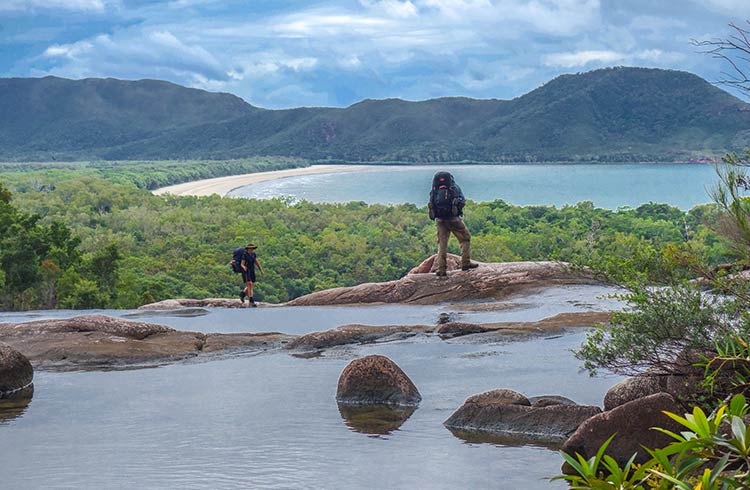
247 263
446 208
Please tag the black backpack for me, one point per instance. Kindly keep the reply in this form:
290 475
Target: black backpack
443 197
237 259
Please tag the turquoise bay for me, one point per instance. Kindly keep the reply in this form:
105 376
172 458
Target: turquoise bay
607 186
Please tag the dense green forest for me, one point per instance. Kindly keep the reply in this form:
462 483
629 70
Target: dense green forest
108 242
609 115
145 175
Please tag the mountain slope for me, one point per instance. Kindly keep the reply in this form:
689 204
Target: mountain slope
616 114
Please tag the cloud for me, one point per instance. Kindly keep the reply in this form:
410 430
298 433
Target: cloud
607 57
154 53
392 8
70 51
70 5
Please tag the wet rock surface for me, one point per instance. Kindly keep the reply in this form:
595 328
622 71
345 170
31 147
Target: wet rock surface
376 380
99 341
632 423
489 280
16 373
506 413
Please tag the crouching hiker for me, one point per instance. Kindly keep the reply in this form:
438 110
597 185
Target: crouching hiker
244 261
446 207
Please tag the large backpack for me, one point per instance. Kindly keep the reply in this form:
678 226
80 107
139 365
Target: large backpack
443 197
237 259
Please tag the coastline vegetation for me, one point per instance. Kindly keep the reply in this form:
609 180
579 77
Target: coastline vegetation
159 247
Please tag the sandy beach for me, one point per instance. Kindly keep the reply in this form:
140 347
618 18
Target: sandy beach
222 185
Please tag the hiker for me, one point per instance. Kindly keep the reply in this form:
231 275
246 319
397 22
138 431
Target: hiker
446 207
247 263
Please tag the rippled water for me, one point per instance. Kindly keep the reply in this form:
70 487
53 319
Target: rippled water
271 420
607 186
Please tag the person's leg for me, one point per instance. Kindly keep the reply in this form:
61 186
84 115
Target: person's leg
459 229
250 285
443 233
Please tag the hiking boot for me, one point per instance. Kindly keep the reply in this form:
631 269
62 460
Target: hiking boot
251 302
242 296
441 273
471 265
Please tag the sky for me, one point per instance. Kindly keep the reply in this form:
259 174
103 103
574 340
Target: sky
285 53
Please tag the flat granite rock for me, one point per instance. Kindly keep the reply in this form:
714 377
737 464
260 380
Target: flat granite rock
168 304
488 281
354 334
99 341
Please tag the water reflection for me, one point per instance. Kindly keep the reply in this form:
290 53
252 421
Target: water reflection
15 407
376 420
508 439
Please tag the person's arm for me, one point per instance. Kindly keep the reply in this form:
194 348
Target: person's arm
259 267
243 263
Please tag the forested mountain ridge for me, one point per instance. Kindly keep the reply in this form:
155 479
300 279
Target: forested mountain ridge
615 114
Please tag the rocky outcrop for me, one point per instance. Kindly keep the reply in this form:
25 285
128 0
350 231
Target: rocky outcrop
555 323
16 373
376 380
633 425
488 281
98 341
508 413
168 304
429 265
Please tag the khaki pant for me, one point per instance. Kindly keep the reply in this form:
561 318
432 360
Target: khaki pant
444 229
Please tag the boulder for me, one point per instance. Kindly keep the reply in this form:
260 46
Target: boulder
549 400
16 373
376 380
632 423
632 389
488 281
99 341
507 413
429 265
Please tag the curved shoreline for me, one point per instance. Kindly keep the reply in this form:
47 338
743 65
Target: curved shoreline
223 185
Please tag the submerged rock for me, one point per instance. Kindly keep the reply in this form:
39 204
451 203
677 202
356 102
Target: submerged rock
489 280
506 413
633 424
376 380
16 373
99 341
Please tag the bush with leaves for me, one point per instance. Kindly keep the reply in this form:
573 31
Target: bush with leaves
713 452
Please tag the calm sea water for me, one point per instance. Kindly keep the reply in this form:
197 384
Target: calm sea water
271 421
607 186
